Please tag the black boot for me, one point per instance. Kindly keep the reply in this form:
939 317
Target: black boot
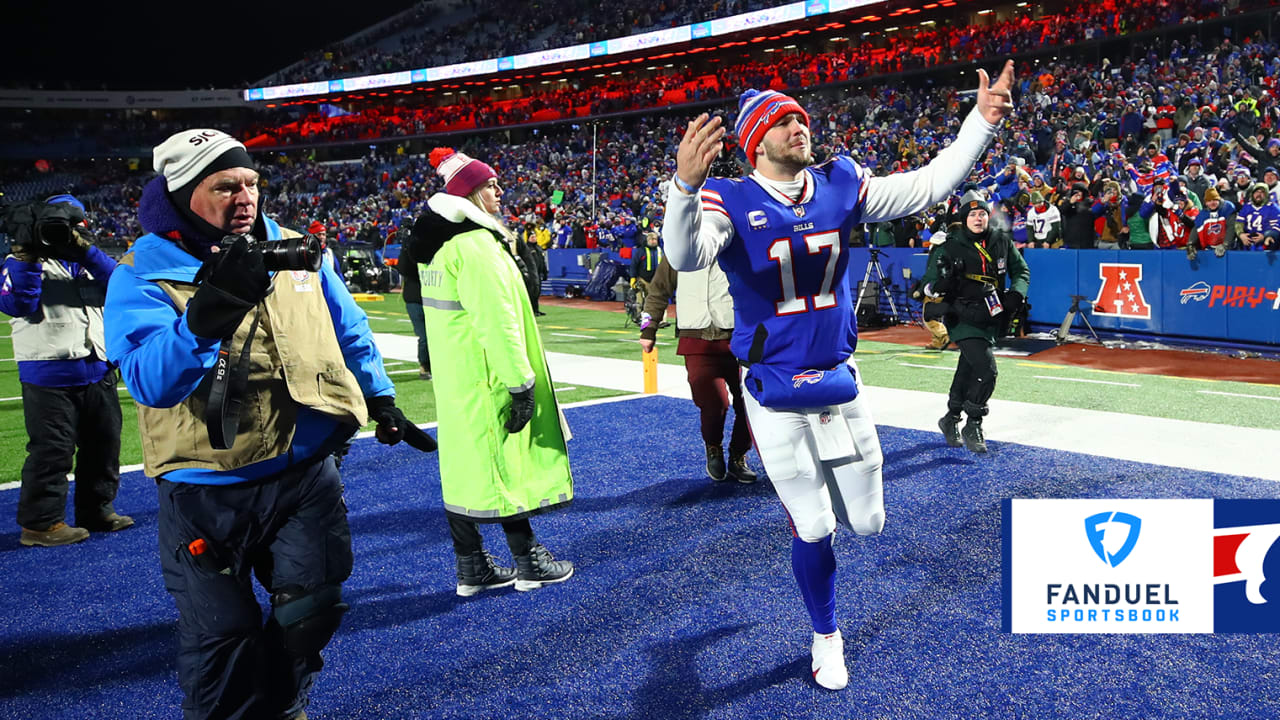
477 572
539 568
716 469
950 427
740 471
973 436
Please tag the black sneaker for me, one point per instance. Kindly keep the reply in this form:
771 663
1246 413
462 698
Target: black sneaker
539 568
477 572
740 471
950 427
716 469
973 436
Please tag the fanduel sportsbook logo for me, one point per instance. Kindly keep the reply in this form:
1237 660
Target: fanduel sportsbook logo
1108 531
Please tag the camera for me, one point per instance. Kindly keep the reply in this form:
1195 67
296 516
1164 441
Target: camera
296 253
45 230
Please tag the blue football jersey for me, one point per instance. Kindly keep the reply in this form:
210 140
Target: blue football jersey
787 265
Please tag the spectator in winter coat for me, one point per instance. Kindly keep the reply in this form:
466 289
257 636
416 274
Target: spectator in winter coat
1077 220
1215 225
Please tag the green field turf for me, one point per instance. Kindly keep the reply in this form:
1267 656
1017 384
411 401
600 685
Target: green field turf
601 333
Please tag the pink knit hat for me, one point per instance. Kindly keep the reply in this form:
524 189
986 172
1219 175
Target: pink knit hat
462 175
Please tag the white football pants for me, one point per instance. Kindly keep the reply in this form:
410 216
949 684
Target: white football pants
817 493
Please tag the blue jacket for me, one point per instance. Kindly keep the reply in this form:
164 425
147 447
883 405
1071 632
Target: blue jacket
162 361
20 284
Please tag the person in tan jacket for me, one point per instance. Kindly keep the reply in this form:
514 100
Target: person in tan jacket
704 326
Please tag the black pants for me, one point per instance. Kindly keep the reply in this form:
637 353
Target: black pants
975 378
467 540
58 421
290 531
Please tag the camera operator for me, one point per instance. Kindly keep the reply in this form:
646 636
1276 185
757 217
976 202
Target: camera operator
54 284
969 273
242 455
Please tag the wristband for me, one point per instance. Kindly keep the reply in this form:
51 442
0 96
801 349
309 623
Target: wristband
684 186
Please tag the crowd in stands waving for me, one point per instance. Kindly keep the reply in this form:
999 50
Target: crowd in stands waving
1175 148
926 47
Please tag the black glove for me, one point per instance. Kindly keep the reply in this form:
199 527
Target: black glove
522 405
393 426
234 280
1013 301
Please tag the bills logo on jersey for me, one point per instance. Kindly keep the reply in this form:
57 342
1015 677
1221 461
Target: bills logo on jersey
1199 291
758 219
1121 292
1246 566
812 377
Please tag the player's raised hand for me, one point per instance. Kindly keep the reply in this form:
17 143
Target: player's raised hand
702 142
995 102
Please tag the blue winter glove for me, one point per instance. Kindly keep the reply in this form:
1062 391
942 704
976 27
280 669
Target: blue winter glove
522 404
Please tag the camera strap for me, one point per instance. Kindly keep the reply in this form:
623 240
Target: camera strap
226 394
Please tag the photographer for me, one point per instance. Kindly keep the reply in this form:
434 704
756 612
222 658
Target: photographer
969 273
242 455
53 287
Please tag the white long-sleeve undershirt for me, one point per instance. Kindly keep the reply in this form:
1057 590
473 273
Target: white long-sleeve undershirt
693 239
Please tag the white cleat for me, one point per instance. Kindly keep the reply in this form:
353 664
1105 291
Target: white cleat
828 661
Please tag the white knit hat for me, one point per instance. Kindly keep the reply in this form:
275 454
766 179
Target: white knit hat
189 156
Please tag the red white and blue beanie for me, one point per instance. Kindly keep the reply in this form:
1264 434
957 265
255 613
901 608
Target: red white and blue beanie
759 111
462 175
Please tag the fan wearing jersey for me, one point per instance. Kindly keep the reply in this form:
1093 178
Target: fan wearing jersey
779 234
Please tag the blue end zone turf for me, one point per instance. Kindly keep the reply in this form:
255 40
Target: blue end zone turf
683 605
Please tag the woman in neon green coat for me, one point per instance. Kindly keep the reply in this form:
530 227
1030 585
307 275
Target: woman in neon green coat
503 455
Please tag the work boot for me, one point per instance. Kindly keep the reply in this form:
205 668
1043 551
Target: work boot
740 471
950 427
716 469
424 372
59 533
111 523
973 436
477 572
539 568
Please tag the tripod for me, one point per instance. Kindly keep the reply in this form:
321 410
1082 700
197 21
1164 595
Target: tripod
1065 329
874 264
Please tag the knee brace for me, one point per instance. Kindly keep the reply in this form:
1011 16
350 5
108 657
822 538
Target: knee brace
308 618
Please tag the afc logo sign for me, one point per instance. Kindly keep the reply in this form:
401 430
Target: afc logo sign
1121 292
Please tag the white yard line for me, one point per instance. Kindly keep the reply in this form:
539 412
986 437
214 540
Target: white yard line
948 368
1231 394
1082 380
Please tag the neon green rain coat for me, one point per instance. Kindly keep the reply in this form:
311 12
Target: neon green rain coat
484 342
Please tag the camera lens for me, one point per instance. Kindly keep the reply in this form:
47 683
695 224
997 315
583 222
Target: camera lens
300 253
54 233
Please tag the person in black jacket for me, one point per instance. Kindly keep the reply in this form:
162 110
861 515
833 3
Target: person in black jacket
968 274
1077 219
411 293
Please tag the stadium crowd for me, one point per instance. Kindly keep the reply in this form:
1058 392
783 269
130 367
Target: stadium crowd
925 47
500 30
1162 150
